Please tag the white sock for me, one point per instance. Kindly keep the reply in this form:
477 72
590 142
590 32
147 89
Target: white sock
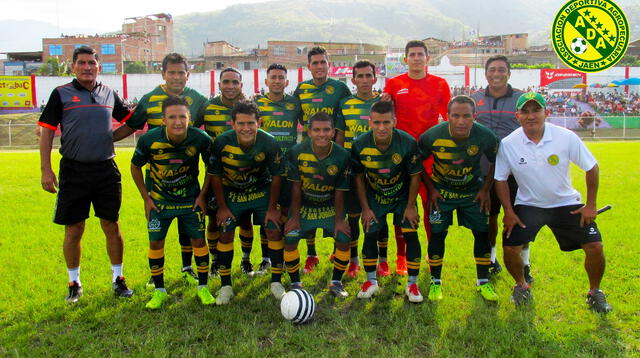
493 254
162 289
371 276
266 259
525 256
74 274
411 280
355 260
246 255
382 259
481 281
116 271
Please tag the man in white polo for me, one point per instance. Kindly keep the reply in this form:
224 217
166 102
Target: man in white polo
538 155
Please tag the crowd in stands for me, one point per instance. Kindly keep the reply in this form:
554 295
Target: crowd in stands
615 103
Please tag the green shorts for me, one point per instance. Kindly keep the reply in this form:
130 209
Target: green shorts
351 202
312 218
243 203
381 206
191 222
285 193
467 210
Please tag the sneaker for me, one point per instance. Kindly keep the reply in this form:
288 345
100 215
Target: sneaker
151 283
310 264
527 274
597 301
75 292
205 296
264 267
383 269
190 277
368 289
295 285
157 300
247 268
401 265
120 288
277 290
337 289
487 292
213 269
495 268
353 269
435 292
521 295
413 293
224 295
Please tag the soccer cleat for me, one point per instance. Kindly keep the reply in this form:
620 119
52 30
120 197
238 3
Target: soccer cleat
75 292
247 268
337 289
435 292
277 290
120 288
205 296
310 264
487 292
264 267
527 274
157 300
383 269
213 269
495 268
413 293
295 285
189 276
521 295
353 269
368 290
401 265
224 295
597 301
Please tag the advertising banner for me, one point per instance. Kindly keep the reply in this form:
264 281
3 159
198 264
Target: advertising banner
16 92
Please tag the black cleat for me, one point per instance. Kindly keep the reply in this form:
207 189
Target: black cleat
120 288
247 268
521 295
495 268
527 274
337 289
264 267
597 301
75 292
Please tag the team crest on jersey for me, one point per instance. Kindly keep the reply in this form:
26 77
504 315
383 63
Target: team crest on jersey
189 100
473 150
259 157
230 155
217 112
553 160
330 90
441 149
332 170
396 158
305 164
368 158
290 106
191 151
414 159
160 151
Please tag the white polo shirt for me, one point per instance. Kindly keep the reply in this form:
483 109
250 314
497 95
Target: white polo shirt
542 170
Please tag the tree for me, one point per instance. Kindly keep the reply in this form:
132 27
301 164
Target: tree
53 67
135 67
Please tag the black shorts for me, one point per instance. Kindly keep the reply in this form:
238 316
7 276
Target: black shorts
564 225
495 202
83 184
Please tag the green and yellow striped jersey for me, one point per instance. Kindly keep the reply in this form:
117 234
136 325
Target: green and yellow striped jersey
280 119
149 108
353 117
216 117
324 98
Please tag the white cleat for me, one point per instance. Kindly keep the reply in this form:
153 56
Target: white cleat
413 293
368 290
224 295
277 290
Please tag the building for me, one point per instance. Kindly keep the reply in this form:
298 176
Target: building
221 54
144 38
21 63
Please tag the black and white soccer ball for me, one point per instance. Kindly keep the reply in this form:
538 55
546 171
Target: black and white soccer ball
297 306
579 46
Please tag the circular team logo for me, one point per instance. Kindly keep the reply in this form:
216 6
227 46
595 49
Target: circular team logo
189 100
332 170
230 155
191 151
473 150
290 106
259 157
217 112
553 160
442 149
368 158
590 36
160 151
397 158
305 164
330 90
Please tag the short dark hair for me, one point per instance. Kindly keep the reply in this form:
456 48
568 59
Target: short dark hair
497 58
276 66
230 69
317 50
462 99
174 101
383 107
363 64
320 117
174 58
84 50
245 106
415 43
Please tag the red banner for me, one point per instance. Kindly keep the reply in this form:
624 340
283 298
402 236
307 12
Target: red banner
548 75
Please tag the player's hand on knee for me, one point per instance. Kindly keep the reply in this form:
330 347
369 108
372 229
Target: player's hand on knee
49 181
587 213
224 218
274 216
343 227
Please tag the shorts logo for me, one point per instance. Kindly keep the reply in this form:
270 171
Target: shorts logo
290 106
189 100
330 90
332 170
473 150
154 225
435 218
590 36
191 151
259 157
522 161
553 160
396 158
592 231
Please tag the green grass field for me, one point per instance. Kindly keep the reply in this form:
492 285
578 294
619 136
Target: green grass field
35 320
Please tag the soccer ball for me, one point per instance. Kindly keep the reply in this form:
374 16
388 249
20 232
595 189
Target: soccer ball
579 46
297 306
